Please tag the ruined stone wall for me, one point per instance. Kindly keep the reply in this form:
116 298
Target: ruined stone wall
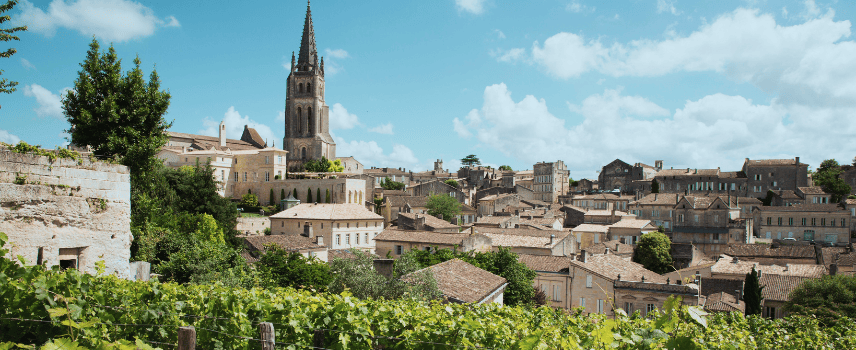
66 211
253 225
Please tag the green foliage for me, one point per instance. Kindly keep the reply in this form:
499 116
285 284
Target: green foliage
358 276
327 196
282 194
324 165
24 148
443 206
309 195
655 186
451 182
470 160
503 263
505 168
768 200
280 268
86 311
828 177
7 34
272 198
250 200
295 194
653 252
752 293
20 179
573 183
388 184
318 194
829 299
119 115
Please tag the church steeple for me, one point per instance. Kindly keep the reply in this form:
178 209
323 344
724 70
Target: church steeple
308 54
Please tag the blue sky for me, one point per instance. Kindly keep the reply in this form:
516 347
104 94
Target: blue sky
697 84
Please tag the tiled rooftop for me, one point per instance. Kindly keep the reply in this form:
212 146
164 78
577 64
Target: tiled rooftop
611 266
547 263
631 223
779 287
287 242
328 212
766 250
591 228
430 220
461 281
426 237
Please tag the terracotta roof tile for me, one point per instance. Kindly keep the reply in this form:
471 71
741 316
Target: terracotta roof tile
430 220
611 266
591 228
728 267
724 302
768 162
779 287
615 247
767 251
631 223
287 242
425 237
547 263
463 282
327 212
659 199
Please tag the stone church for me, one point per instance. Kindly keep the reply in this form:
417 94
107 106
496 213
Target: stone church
307 121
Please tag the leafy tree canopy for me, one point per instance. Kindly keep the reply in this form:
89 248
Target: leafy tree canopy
828 177
768 199
451 182
470 160
443 206
324 165
358 276
653 252
250 200
388 184
7 34
279 267
655 186
829 298
505 168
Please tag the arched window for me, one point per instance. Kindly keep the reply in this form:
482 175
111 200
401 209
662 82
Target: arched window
308 87
361 197
303 153
300 88
350 195
311 120
299 120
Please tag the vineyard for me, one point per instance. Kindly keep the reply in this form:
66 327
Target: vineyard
70 310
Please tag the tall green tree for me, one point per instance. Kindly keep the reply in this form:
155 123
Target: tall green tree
828 177
119 115
327 196
388 184
308 195
655 186
829 299
358 276
470 160
8 34
443 206
505 168
272 197
653 252
282 194
451 182
752 293
295 194
318 195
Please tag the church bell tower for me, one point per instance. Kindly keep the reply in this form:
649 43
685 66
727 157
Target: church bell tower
307 120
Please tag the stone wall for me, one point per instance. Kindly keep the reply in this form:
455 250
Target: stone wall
253 225
66 212
341 190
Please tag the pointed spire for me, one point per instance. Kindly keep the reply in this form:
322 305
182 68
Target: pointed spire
308 51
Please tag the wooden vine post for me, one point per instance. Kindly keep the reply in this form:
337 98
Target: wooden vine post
187 338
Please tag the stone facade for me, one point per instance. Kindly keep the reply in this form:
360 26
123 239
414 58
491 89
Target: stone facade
704 222
66 212
341 190
657 207
438 187
342 226
550 181
809 222
493 204
618 175
692 181
774 174
307 120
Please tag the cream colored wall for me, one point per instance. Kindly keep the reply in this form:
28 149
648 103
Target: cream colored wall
842 232
329 229
586 239
601 289
384 247
561 282
641 299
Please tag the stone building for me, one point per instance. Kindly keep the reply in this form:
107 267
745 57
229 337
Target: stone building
774 174
657 207
550 180
496 203
704 222
394 242
340 190
828 223
587 235
692 181
629 231
618 175
602 201
351 165
66 212
574 216
255 246
342 226
307 120
478 177
394 174
424 222
437 187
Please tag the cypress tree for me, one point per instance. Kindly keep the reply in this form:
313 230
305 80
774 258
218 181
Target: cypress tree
318 194
309 195
272 198
282 194
328 196
655 186
295 193
752 293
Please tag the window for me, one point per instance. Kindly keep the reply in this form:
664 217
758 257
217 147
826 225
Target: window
696 218
780 221
628 308
583 302
347 239
808 235
367 238
732 187
832 238
773 183
770 220
790 221
597 237
267 159
236 176
716 218
769 312
843 223
588 281
600 306
557 296
399 250
822 221
650 308
680 217
338 239
803 221
757 177
357 239
245 176
267 176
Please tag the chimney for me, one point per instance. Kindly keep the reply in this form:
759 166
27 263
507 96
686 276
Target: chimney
583 256
735 260
606 252
307 230
222 134
319 240
797 159
384 267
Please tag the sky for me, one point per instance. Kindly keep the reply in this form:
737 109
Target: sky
699 84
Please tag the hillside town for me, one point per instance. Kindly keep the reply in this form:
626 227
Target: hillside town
783 221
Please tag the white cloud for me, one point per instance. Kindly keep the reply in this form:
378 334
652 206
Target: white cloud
27 64
111 20
280 116
50 104
667 6
235 127
715 131
471 6
337 53
512 55
6 137
576 7
499 34
811 10
804 63
785 12
341 119
371 154
383 129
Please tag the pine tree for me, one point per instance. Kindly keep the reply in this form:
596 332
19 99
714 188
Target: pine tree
752 293
294 194
282 194
309 196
